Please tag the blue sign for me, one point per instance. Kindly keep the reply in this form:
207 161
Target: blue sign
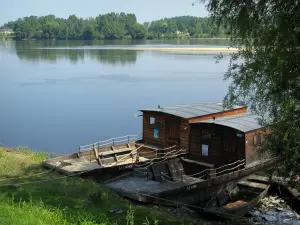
155 133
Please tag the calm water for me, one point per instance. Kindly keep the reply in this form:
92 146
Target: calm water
55 96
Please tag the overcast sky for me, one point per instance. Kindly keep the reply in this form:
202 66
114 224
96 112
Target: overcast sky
145 10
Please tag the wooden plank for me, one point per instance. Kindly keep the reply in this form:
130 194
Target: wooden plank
176 169
252 184
124 150
259 179
200 163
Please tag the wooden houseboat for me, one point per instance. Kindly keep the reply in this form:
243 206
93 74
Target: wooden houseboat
220 144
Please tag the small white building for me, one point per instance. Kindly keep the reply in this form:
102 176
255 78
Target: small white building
6 31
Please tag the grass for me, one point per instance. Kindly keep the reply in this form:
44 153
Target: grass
64 201
68 200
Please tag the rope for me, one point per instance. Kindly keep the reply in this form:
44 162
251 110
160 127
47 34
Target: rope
196 174
182 204
47 180
152 161
228 169
129 153
159 149
33 175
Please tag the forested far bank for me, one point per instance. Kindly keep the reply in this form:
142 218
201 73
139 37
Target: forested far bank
112 26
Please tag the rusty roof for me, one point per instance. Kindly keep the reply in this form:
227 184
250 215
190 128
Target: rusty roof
192 110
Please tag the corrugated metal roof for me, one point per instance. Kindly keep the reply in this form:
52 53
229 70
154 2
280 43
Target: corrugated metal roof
192 110
244 122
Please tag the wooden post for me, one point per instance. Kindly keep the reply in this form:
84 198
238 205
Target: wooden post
113 142
98 146
91 153
128 138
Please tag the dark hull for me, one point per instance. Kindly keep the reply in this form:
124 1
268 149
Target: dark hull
233 213
196 193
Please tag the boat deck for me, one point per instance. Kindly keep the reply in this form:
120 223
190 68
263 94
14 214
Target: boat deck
77 165
139 184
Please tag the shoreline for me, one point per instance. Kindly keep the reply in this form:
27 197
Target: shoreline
184 49
162 49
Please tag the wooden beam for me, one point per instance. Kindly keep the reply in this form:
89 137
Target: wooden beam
220 114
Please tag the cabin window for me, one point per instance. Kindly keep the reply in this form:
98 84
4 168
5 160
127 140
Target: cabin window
152 121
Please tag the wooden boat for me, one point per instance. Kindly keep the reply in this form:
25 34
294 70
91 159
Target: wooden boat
112 156
239 201
167 183
294 192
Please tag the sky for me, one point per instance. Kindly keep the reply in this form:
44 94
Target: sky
144 10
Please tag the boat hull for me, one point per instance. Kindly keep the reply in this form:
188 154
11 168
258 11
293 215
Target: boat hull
197 193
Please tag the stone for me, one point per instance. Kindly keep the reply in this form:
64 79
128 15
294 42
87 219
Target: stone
155 207
279 209
255 213
269 218
286 221
295 222
119 211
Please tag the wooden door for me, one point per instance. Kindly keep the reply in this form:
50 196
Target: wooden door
172 136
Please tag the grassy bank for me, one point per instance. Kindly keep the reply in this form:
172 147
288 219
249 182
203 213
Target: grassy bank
30 194
61 201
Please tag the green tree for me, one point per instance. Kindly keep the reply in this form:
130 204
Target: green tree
199 29
139 31
265 72
89 32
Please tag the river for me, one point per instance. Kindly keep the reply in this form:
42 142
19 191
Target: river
57 95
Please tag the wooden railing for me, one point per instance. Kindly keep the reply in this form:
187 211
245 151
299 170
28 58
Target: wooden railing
110 142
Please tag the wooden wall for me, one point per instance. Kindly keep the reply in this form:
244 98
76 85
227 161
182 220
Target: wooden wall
251 154
184 134
148 130
165 130
224 144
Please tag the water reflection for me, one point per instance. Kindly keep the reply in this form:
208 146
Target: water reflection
114 57
105 52
145 43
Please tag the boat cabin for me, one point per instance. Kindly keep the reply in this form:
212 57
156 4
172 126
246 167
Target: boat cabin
212 134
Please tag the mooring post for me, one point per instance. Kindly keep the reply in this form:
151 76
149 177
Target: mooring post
128 138
91 152
98 146
113 142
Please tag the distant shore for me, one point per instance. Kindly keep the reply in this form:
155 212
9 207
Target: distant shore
185 49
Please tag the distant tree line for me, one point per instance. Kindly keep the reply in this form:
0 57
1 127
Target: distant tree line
112 26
